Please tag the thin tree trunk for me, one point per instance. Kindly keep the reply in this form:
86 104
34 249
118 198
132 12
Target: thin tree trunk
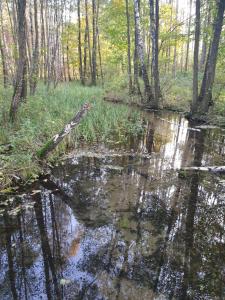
204 39
20 88
154 28
175 46
100 57
79 43
196 55
94 46
3 52
188 40
140 49
136 87
35 60
128 48
88 35
98 43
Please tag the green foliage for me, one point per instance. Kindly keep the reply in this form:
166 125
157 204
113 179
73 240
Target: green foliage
114 27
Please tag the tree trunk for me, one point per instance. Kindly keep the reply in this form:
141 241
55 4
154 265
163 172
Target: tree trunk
196 55
3 52
79 44
100 57
88 35
94 45
128 48
35 59
4 69
136 86
205 97
154 28
140 49
188 41
204 39
98 42
175 46
20 87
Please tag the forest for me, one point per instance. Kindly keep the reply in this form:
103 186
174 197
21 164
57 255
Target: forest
112 146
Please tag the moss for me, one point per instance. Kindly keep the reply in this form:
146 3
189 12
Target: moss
42 152
182 174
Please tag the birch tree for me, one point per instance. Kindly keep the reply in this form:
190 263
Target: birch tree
140 49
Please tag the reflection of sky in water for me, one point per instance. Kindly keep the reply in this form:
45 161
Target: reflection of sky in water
121 221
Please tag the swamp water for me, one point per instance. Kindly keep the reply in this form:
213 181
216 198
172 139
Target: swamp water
122 223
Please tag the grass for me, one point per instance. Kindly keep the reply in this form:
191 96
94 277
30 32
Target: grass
45 114
177 92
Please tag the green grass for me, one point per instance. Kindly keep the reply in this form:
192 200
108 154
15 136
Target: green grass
45 114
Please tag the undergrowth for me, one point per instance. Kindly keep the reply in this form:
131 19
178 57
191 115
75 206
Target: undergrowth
45 114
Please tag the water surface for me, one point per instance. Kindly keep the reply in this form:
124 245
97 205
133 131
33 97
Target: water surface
122 223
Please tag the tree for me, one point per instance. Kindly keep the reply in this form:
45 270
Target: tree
94 43
79 43
205 96
154 28
207 18
20 86
188 40
196 55
35 60
87 45
140 50
128 48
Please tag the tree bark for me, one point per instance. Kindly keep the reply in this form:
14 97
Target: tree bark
35 59
88 35
136 86
128 48
196 55
205 97
94 43
174 71
154 29
189 34
20 87
3 52
204 39
52 144
4 69
140 49
79 44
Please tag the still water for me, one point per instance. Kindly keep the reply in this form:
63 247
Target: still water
122 222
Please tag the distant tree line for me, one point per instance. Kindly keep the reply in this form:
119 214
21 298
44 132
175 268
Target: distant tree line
91 40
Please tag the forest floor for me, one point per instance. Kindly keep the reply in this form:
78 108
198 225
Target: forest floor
45 114
177 95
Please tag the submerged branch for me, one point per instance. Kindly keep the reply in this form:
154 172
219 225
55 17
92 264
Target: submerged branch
214 169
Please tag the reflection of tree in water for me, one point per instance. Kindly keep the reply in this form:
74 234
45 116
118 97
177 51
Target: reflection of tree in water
49 262
188 266
147 232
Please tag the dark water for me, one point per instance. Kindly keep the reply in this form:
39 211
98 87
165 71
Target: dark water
122 224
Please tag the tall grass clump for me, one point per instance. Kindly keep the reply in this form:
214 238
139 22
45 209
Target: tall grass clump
45 114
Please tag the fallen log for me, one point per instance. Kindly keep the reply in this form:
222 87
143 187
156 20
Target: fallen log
114 99
214 169
51 144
